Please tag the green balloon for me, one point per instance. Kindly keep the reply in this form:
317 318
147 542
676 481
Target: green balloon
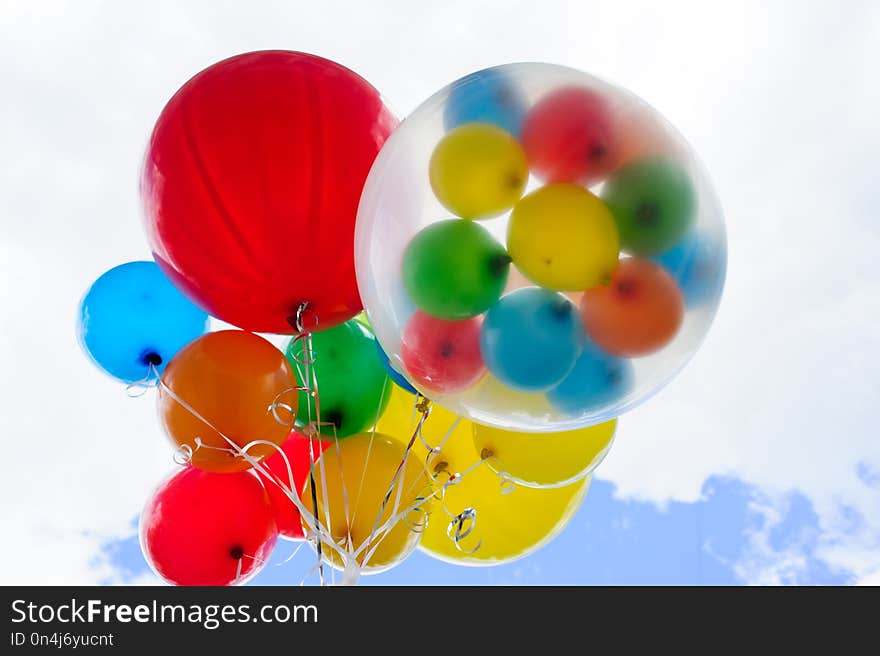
353 386
455 269
653 204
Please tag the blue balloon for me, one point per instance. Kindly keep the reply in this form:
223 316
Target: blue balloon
132 317
531 338
395 375
597 381
487 96
698 263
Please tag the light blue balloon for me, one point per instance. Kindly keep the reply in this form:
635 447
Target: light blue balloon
698 263
395 375
132 317
597 381
531 338
487 96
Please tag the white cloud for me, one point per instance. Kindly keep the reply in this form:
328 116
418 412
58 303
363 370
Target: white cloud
780 101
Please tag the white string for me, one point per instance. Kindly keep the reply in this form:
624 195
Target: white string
140 387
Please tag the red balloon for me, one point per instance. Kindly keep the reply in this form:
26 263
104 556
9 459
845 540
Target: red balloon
296 448
251 183
443 356
568 136
204 528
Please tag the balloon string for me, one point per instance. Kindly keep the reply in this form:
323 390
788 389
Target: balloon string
239 566
140 387
308 360
507 484
379 409
364 473
456 530
370 447
378 534
345 504
418 525
375 539
292 555
505 480
423 406
321 534
312 521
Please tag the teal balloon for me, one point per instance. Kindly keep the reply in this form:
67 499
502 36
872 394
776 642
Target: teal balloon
352 385
132 321
531 339
699 264
395 375
598 380
487 96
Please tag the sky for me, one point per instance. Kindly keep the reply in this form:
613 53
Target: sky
759 464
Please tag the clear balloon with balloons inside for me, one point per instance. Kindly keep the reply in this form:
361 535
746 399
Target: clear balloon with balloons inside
538 249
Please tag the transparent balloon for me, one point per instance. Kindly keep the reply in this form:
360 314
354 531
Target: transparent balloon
591 267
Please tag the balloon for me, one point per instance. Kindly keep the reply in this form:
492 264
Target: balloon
608 180
443 356
487 96
638 313
230 382
250 187
546 459
506 527
352 481
653 203
455 269
564 238
508 524
532 338
132 320
568 136
296 448
395 375
204 528
598 380
698 265
353 387
478 171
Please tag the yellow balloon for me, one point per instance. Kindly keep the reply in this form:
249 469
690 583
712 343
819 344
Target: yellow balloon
352 479
544 459
401 417
478 171
507 526
492 393
564 238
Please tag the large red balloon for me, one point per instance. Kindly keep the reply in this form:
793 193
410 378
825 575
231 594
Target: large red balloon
251 183
204 528
296 448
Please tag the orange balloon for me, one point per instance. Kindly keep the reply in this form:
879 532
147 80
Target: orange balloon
232 382
638 313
